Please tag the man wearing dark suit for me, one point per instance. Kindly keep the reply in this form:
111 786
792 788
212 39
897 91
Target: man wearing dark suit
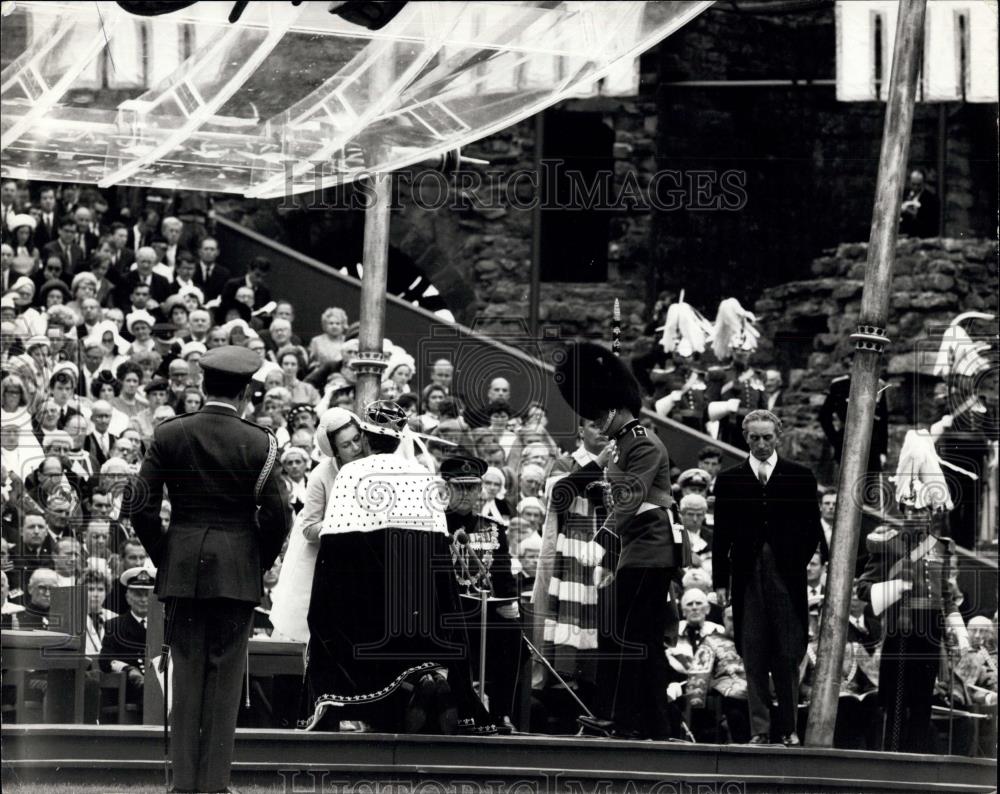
833 419
210 276
66 248
123 648
766 529
142 232
99 442
159 287
122 256
254 279
229 519
48 221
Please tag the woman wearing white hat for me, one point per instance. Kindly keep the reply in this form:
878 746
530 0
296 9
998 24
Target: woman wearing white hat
22 229
340 440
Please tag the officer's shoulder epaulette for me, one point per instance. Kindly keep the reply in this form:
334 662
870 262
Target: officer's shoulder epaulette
265 430
173 419
638 432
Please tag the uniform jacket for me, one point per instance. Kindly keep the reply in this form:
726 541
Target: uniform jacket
489 541
835 405
124 641
744 385
889 559
785 514
218 468
639 473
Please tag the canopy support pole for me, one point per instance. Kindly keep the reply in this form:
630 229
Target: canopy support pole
869 341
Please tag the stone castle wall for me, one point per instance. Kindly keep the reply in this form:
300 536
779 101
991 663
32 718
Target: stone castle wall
806 327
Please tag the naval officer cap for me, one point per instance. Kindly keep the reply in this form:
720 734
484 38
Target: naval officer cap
137 578
232 361
462 468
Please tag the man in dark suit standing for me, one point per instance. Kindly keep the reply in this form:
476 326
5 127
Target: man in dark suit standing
209 275
48 221
229 519
766 530
833 420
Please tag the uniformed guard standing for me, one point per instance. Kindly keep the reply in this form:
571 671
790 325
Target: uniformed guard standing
908 583
632 671
229 519
833 420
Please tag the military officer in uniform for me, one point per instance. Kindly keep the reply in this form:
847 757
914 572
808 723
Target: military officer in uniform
478 537
632 672
230 517
123 647
833 419
909 584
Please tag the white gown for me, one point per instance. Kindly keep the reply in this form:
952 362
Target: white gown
290 596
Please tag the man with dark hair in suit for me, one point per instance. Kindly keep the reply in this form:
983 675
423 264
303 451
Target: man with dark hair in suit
254 279
122 256
228 521
48 221
209 275
65 247
766 531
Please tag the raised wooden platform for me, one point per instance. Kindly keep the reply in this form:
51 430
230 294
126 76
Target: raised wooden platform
323 762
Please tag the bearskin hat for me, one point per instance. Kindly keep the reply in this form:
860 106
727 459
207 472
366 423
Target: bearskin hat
594 380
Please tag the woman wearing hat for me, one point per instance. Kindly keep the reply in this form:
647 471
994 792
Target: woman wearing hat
16 400
22 230
53 292
31 321
341 441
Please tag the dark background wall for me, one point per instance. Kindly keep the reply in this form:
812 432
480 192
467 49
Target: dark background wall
811 161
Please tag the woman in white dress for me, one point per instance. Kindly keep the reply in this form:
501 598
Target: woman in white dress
340 439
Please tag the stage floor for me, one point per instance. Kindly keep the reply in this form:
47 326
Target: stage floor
129 758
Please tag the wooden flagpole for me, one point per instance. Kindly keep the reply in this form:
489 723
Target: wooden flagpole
869 342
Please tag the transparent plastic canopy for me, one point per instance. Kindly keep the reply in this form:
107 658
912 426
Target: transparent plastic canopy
292 98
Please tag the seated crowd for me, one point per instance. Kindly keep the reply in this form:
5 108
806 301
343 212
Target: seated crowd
104 322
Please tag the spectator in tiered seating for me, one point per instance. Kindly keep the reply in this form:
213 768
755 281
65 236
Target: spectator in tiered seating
123 649
209 276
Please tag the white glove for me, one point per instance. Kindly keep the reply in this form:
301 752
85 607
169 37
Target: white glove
885 594
675 690
509 611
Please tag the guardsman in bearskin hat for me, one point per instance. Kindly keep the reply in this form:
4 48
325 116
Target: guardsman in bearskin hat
908 583
737 389
632 673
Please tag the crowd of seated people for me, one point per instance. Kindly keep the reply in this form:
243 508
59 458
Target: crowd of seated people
104 321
